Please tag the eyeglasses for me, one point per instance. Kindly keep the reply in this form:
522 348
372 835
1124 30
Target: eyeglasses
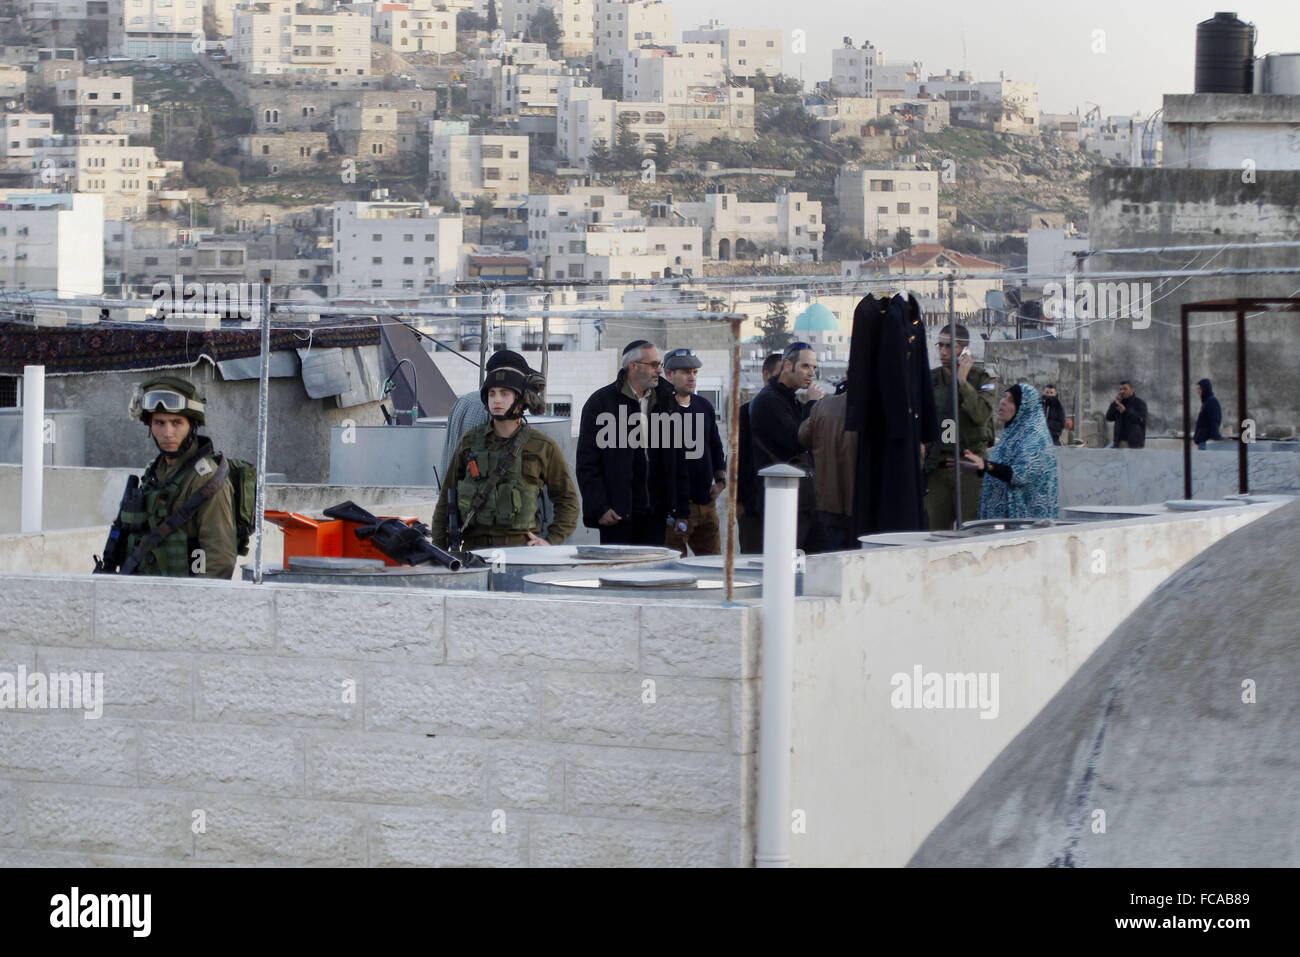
652 365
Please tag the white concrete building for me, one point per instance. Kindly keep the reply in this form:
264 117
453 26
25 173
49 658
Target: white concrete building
52 242
128 177
23 133
386 249
574 17
792 225
410 30
465 166
162 28
664 75
621 26
880 202
744 51
275 38
1003 105
1051 251
853 69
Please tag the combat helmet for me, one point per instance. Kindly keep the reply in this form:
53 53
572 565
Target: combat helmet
168 393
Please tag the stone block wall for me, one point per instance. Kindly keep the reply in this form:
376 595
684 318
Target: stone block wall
305 725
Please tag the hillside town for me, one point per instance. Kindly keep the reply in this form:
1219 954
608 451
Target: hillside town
591 424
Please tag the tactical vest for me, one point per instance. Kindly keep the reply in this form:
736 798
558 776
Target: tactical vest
158 501
512 505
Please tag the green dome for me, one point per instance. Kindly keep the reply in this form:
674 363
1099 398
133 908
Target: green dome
816 318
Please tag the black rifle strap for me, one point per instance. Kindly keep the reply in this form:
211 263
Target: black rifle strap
493 480
176 519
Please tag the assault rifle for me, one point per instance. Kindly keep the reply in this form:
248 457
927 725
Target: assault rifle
115 552
408 544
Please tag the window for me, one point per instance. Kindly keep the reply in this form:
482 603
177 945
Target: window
904 209
924 186
430 237
376 283
882 209
408 283
925 210
492 151
376 260
408 260
429 260
377 237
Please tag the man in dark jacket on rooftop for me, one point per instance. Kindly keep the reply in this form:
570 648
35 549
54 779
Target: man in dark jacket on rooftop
1211 416
1129 413
633 482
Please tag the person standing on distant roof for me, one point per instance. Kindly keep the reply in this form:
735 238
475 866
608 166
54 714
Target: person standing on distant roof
706 471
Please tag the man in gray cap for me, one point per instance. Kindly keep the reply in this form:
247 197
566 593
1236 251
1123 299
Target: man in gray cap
706 466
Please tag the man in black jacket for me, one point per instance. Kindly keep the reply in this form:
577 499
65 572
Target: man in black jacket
1055 413
749 490
775 415
1211 416
1129 413
633 484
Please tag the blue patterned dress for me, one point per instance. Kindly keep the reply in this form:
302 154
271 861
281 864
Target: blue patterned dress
1026 446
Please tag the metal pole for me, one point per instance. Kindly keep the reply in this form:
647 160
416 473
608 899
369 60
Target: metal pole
780 515
546 341
956 412
733 466
1078 357
33 448
1243 476
263 390
482 342
1187 408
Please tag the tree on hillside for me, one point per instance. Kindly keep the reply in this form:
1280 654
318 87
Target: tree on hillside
903 238
847 244
492 15
627 151
544 28
789 120
204 139
775 327
483 207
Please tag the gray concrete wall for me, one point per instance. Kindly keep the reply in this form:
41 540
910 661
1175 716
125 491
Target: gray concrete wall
1149 207
321 726
1043 361
297 440
1143 476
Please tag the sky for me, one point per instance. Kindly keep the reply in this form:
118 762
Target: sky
1149 45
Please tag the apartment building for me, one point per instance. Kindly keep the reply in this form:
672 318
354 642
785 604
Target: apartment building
162 28
52 242
13 82
1002 105
792 225
408 30
744 51
574 17
853 69
391 249
94 99
666 74
54 64
128 177
274 38
880 202
585 120
369 133
621 26
23 133
464 166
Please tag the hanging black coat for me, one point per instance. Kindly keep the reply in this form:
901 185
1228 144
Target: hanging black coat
891 407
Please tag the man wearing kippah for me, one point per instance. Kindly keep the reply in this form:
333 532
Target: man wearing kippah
631 490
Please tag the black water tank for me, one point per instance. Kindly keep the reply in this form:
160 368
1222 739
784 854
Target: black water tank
1225 55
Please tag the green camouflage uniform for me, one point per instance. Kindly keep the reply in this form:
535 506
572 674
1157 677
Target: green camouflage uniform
977 400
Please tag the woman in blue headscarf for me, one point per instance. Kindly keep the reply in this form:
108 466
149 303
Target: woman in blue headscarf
1022 482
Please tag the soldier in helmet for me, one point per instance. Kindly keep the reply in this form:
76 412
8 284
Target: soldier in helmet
499 470
182 521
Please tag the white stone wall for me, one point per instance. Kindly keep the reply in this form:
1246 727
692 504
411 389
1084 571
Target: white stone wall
468 710
872 779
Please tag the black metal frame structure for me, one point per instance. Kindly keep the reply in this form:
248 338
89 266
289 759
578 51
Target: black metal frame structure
1240 307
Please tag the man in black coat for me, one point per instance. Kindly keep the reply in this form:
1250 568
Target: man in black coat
633 484
1055 413
749 488
775 415
1129 413
1211 416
